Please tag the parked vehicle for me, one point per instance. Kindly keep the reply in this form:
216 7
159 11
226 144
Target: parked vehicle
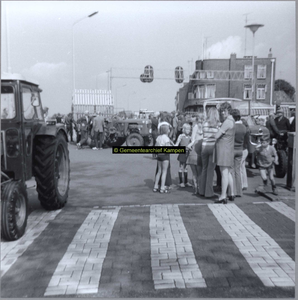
30 147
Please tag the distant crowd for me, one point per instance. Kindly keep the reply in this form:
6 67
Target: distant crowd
216 147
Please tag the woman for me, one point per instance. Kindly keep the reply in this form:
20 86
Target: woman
240 132
243 173
210 128
195 147
224 151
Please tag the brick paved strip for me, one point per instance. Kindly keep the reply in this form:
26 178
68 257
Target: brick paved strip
79 270
284 209
172 258
36 224
266 258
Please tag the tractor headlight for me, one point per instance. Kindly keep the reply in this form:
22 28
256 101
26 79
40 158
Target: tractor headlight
12 143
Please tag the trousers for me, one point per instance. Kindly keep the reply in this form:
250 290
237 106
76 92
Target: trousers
206 186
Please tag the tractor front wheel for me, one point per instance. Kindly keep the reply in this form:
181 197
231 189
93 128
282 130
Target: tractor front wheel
135 139
14 212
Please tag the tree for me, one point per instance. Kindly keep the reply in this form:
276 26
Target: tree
282 85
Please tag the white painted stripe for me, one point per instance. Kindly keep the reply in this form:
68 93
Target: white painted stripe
266 258
172 258
37 222
284 209
79 271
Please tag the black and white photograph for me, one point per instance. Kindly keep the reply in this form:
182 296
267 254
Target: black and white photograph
148 149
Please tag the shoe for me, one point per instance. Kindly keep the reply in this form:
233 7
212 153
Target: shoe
164 191
79 146
231 198
94 148
224 201
274 191
182 185
155 190
100 148
188 184
244 189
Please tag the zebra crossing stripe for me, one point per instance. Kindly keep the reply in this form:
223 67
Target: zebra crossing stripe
36 224
172 258
79 271
284 209
266 258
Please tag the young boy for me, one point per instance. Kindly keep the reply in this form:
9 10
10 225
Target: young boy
266 156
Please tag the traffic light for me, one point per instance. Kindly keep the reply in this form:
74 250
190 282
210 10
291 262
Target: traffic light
148 74
179 76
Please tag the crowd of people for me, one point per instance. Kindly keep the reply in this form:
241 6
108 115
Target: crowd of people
217 145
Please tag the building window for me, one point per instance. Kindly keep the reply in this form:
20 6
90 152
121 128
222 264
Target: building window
202 75
247 91
248 72
261 71
210 91
261 91
210 74
200 92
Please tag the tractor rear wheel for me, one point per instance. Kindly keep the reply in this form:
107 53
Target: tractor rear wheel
52 171
281 168
14 212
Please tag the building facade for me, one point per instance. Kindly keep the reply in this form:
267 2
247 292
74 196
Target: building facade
232 78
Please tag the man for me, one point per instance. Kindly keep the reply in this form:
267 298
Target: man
292 121
154 121
271 125
98 124
69 125
175 126
84 123
282 123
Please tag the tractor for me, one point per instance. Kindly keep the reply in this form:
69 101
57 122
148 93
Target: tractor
31 148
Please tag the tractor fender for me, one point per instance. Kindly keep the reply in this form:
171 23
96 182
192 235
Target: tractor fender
53 130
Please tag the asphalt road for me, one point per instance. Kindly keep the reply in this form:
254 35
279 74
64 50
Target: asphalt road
116 238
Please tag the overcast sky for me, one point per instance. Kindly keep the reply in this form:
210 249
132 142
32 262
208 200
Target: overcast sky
126 36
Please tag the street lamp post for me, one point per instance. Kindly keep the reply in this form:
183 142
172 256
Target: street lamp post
73 56
253 28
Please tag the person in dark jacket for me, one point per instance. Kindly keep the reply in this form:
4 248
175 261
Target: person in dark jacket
271 125
83 125
282 123
69 125
293 121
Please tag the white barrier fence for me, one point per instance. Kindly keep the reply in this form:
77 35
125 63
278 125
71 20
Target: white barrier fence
93 101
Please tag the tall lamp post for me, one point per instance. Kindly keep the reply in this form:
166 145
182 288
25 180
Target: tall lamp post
253 28
73 56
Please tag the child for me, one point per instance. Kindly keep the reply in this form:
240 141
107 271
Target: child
163 159
183 140
266 156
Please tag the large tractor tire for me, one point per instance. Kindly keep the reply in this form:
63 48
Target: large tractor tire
14 212
134 140
281 168
52 171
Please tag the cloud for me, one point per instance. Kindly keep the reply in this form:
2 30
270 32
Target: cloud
224 48
45 70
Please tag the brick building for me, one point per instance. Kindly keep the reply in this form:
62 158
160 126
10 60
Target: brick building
232 78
